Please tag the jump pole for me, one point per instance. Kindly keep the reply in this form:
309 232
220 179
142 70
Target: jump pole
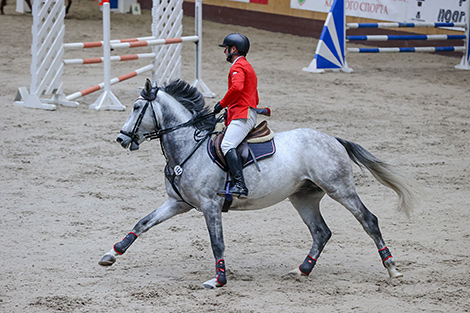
128 57
116 44
148 41
113 81
330 53
97 44
135 43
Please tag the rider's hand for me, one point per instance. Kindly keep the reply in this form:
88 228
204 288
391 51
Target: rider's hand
217 108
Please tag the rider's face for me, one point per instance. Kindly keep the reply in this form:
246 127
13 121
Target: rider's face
229 50
226 51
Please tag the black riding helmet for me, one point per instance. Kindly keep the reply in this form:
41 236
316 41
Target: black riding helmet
238 40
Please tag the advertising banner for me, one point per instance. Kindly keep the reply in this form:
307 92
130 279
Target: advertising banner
438 11
432 11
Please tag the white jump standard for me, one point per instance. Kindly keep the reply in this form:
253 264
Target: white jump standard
47 53
48 50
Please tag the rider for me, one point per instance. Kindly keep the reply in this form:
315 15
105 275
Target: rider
240 100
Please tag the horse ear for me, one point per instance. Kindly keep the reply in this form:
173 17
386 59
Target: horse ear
148 85
150 90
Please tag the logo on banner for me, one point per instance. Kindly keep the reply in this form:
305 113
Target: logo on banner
418 13
449 12
455 16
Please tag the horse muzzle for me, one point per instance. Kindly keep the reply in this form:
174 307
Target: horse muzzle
125 141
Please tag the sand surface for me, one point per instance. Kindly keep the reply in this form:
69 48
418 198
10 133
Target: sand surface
69 192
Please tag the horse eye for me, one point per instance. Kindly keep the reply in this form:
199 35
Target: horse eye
136 106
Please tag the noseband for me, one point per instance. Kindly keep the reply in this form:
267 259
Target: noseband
149 97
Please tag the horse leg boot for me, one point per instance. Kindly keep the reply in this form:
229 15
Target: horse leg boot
235 166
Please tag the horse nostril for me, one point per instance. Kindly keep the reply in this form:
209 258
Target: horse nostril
119 140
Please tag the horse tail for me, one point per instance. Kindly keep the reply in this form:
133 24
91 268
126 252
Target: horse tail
385 174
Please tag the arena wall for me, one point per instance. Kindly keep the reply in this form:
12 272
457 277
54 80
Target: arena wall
275 15
278 16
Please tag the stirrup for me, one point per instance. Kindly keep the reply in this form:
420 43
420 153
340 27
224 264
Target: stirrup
239 192
225 193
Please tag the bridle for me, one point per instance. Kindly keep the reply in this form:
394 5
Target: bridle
170 173
149 97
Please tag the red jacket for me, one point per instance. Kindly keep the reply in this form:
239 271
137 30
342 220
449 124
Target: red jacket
242 90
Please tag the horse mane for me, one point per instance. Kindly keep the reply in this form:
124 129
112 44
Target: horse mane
192 100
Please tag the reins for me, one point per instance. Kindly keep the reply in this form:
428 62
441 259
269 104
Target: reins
158 133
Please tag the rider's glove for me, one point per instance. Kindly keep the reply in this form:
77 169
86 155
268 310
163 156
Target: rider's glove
217 108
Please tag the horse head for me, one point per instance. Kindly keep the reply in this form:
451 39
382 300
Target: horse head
178 105
142 120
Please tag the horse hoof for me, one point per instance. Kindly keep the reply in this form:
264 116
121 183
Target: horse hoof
107 260
394 273
296 273
211 284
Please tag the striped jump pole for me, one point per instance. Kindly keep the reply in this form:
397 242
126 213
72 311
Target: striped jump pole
155 42
113 81
404 37
97 44
131 43
406 49
331 50
115 58
401 25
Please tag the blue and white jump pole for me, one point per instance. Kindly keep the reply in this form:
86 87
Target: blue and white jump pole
330 53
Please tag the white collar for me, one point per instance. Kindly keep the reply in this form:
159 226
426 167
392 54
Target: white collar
237 59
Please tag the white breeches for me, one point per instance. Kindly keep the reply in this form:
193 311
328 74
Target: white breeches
237 130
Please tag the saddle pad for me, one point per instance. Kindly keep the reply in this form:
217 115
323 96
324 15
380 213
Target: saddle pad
260 150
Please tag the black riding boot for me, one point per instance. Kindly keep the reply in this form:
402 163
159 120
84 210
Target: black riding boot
237 186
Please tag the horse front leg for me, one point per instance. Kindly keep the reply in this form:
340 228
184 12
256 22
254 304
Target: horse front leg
213 218
166 211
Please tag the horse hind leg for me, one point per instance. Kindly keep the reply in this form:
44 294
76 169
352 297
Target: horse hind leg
307 202
370 224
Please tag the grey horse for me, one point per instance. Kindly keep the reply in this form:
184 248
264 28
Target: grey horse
307 165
